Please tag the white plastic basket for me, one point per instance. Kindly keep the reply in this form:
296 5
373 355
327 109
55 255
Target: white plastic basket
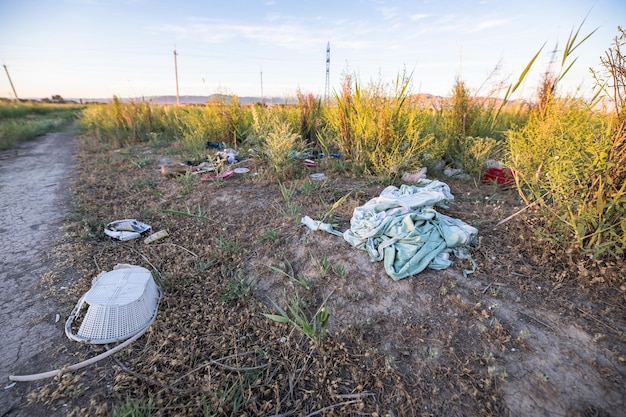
120 304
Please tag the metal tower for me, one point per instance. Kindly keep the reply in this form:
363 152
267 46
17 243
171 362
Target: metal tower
327 88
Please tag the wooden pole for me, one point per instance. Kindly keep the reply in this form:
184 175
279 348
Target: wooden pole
11 82
176 72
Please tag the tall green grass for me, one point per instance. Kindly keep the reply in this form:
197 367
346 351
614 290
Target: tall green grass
376 128
121 123
570 158
25 121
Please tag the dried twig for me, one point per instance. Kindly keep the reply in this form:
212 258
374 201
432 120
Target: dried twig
183 248
152 381
536 319
145 258
501 222
330 407
599 321
493 283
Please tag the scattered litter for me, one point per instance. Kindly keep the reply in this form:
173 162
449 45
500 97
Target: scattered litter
204 167
126 229
57 318
402 228
228 155
123 304
216 145
175 170
310 163
492 163
156 236
241 170
10 385
212 177
413 177
455 173
502 176
335 155
120 304
316 225
318 177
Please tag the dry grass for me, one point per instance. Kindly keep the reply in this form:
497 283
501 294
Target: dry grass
434 344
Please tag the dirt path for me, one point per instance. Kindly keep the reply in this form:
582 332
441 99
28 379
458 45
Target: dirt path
34 200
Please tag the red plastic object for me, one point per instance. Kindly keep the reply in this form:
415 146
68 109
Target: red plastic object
211 177
499 175
310 163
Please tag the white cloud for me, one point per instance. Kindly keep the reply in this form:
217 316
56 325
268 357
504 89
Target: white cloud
490 23
418 16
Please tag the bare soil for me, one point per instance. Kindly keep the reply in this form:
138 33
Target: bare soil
537 330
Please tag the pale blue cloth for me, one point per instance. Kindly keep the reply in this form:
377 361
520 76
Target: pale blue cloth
402 228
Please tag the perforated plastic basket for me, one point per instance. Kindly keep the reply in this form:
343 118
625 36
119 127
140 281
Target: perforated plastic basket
120 304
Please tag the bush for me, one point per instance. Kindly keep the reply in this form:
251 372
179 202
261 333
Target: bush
571 161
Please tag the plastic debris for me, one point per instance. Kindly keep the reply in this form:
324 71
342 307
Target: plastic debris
126 229
502 176
223 175
416 176
216 145
161 234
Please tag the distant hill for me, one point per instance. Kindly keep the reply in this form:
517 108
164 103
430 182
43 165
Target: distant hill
419 100
218 98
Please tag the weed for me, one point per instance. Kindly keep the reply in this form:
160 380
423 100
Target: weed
228 245
199 214
329 213
269 235
293 278
280 145
238 288
143 184
290 208
134 408
297 315
340 270
188 181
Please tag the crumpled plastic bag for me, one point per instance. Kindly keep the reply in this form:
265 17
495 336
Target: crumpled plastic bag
127 229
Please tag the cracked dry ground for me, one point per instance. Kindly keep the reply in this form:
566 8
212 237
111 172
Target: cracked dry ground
534 331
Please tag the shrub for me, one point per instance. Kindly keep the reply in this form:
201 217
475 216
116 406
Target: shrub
278 143
571 161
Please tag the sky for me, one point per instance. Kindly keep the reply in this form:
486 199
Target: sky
101 48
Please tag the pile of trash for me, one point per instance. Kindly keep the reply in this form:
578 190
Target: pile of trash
402 228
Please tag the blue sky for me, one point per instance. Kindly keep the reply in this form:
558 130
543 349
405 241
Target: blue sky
101 48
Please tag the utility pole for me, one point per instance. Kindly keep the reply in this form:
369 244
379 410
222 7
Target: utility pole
327 88
11 82
176 72
262 96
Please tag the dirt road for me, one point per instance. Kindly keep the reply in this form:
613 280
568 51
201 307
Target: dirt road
34 200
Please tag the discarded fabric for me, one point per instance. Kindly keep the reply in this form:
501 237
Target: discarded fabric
402 228
126 229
